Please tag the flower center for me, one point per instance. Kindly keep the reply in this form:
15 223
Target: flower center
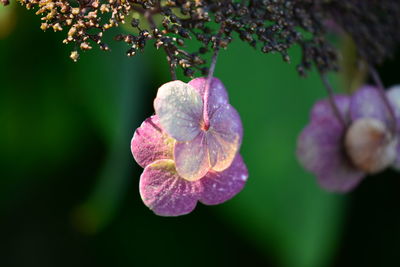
204 126
370 145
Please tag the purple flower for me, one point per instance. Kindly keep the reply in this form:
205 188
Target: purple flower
341 155
162 187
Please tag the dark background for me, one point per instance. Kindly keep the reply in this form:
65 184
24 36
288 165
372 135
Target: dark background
69 185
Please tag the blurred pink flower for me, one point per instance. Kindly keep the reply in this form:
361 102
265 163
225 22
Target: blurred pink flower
341 155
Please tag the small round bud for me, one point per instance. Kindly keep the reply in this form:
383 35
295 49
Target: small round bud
131 52
74 56
188 72
44 26
203 50
135 23
184 33
370 145
119 37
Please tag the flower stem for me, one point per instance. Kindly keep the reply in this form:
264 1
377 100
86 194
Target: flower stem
211 70
149 16
375 76
332 102
172 69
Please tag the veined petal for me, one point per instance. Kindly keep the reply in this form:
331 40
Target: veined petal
165 193
151 143
217 93
320 149
316 138
323 108
222 186
366 102
180 109
191 158
340 176
224 137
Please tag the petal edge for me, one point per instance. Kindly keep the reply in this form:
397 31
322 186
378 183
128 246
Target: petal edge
222 186
150 143
165 193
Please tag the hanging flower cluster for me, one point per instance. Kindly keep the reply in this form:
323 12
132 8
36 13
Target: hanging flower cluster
271 26
190 148
341 152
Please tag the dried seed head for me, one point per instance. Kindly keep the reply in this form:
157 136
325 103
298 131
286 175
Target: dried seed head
370 145
272 26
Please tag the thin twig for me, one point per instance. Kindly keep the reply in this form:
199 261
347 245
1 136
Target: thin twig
212 66
210 76
331 98
382 93
172 69
149 16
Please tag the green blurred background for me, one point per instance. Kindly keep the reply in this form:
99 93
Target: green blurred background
69 185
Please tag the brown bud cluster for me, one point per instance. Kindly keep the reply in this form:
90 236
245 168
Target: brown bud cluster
85 22
373 25
5 2
272 26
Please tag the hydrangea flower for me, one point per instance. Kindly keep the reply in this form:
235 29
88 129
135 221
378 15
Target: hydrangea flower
207 129
342 155
162 187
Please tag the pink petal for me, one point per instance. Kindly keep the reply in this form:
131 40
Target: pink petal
151 143
340 177
323 108
224 137
320 150
180 109
165 193
217 92
222 186
191 158
366 102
